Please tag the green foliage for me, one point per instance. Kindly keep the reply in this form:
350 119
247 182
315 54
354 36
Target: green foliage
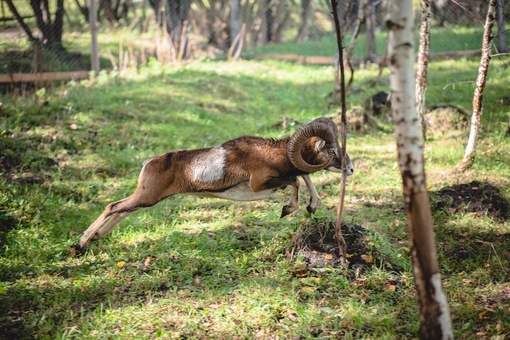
197 268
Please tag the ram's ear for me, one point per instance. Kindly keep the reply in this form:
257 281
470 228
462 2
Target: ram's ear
319 146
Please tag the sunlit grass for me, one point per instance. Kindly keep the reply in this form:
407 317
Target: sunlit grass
198 268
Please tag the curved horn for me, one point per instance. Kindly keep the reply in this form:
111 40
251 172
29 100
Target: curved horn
321 128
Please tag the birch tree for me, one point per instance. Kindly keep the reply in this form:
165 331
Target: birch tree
435 321
469 156
423 62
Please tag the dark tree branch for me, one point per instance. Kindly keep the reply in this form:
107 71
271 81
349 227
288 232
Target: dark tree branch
338 231
19 20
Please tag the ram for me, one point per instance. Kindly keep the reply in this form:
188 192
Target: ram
243 169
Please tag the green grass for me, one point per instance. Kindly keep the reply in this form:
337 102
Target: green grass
445 39
196 268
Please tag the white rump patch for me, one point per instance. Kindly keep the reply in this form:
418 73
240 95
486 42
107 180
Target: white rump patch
210 166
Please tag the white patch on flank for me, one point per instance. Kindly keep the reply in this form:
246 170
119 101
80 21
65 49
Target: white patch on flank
210 166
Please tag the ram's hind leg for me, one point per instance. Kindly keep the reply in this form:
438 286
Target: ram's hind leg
112 222
294 200
111 216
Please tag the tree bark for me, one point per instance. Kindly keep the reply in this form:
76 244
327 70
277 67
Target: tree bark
269 21
470 154
501 27
354 37
51 30
342 245
423 62
435 321
306 15
370 27
177 14
19 20
58 24
235 23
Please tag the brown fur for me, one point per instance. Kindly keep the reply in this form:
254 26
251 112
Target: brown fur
262 163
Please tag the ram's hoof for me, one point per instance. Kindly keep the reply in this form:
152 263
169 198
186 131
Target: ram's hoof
287 210
311 209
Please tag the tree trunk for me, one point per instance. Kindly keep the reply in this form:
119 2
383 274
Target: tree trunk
306 15
280 20
177 14
21 23
51 31
435 321
235 23
354 37
58 24
501 27
84 10
423 62
269 21
370 26
472 145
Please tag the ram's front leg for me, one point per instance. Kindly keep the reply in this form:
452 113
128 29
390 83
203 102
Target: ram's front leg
314 196
259 182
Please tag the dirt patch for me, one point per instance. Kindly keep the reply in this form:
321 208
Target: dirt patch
446 120
474 197
316 246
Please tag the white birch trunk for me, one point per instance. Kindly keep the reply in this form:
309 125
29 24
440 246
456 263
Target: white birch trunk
435 321
423 62
472 145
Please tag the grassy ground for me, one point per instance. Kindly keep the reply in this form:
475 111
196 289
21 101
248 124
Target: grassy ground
203 268
441 40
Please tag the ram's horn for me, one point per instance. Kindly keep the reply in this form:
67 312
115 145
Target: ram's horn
323 128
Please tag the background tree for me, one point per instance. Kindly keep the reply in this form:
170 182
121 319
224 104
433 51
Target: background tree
306 18
469 156
371 24
175 20
51 29
501 26
435 322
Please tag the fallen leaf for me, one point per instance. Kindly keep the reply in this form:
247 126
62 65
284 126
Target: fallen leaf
466 282
148 261
308 289
368 258
391 288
